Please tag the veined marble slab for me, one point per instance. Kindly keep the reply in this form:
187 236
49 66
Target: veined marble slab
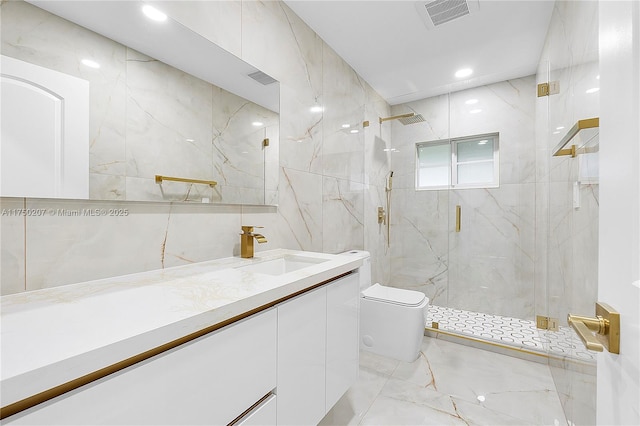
52 336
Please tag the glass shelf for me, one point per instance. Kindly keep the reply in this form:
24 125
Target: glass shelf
587 141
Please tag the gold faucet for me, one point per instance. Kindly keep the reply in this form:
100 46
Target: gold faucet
246 240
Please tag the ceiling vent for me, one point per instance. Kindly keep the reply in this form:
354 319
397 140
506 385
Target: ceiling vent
438 12
262 78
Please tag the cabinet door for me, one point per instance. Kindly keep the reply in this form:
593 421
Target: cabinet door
343 310
211 380
302 325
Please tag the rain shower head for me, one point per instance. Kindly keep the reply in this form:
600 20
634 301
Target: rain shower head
410 118
416 118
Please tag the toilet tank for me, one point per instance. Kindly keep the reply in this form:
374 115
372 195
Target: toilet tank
365 269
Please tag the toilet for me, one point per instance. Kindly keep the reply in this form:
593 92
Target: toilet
392 320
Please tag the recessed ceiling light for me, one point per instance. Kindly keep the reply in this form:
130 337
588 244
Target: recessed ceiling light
153 13
481 398
346 126
559 127
556 132
257 123
353 131
475 111
598 77
471 101
189 140
90 63
593 90
464 72
316 108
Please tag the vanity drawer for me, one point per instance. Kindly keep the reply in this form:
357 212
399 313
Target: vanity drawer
211 380
262 415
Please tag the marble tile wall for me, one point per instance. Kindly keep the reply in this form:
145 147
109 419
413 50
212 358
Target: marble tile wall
570 57
329 181
489 266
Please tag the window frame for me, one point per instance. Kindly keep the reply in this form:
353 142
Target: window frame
454 164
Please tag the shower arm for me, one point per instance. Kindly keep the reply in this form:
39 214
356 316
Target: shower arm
395 117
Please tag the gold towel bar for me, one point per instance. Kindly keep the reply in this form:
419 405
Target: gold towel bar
211 183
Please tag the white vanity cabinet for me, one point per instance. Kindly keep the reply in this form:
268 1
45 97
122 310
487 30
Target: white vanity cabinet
286 365
343 353
317 350
302 327
211 380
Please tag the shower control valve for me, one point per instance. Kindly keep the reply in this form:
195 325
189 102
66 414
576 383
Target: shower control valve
382 216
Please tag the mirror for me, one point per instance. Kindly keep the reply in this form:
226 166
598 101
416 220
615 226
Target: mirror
163 101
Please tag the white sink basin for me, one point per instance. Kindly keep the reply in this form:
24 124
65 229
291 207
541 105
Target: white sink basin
282 265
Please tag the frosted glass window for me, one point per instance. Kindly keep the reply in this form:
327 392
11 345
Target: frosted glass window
435 176
475 173
475 150
434 155
475 162
433 165
468 162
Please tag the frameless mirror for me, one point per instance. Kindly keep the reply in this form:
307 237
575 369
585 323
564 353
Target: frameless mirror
171 115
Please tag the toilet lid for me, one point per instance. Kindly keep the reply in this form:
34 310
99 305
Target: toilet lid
399 296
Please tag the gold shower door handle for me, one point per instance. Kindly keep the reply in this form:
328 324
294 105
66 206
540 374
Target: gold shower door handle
458 212
606 325
588 339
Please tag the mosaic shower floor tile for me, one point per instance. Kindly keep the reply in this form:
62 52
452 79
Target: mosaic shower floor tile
509 331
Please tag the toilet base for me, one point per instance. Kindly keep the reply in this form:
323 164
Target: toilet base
392 330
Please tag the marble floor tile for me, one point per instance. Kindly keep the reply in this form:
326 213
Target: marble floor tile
375 371
389 411
449 384
509 385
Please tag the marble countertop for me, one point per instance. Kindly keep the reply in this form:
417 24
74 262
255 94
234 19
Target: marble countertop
51 336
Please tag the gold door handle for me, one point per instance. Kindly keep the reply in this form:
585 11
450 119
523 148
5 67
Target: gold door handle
606 324
588 339
458 214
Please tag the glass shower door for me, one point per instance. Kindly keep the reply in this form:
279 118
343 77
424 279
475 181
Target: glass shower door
492 210
572 255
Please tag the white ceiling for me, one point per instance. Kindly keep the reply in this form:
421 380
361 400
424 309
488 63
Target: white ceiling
389 45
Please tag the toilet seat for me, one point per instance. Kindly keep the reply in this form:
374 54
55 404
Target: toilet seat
396 296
